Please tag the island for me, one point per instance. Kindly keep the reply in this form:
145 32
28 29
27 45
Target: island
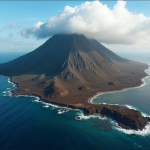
69 69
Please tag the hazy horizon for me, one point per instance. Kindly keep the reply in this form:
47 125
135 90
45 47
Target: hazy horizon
136 56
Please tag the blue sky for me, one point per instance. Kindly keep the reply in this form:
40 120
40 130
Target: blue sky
15 16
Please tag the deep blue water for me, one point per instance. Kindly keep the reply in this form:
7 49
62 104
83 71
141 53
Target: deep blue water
25 124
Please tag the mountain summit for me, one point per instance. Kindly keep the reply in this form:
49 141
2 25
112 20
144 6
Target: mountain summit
72 52
69 64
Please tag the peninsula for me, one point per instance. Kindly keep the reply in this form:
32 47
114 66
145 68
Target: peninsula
68 69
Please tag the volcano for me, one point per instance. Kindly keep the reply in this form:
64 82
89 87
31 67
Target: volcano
68 69
72 64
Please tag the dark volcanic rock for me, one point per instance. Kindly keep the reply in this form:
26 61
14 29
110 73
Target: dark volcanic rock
126 118
111 83
84 88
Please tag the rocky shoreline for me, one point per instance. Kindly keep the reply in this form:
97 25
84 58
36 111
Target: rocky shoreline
125 117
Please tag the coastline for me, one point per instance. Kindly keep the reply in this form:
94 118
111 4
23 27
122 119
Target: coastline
90 100
61 105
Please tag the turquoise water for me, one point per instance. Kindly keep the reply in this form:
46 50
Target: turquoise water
27 124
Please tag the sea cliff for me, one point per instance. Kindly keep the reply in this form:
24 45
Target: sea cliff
125 117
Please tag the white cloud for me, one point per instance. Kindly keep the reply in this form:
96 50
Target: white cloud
95 20
26 31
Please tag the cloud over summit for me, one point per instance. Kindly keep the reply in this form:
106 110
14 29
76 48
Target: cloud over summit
95 20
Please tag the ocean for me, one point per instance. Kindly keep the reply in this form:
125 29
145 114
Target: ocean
26 123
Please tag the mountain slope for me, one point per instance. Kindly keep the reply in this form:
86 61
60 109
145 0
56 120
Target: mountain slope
106 53
55 55
67 70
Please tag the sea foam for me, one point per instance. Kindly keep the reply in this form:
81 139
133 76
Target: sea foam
144 132
46 106
132 107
